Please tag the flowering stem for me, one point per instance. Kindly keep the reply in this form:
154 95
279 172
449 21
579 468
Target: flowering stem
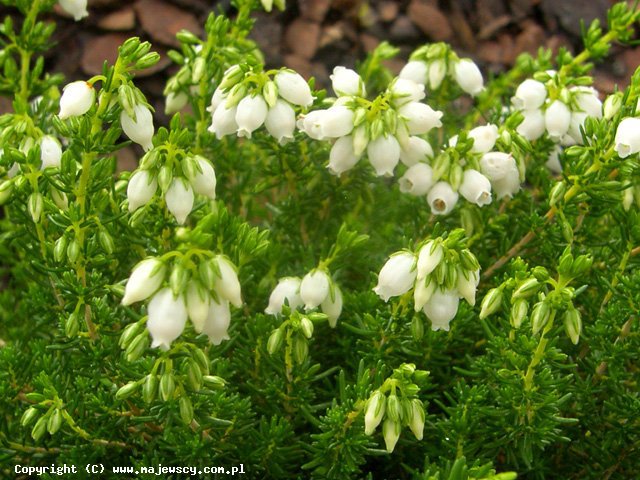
538 354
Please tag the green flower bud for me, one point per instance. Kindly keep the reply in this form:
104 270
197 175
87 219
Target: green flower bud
71 325
270 93
391 432
300 349
59 249
186 410
213 381
394 408
540 316
35 203
150 388
29 415
557 193
307 327
519 311
55 421
126 390
39 428
198 69
491 302
417 328
573 324
167 386
527 288
275 341
6 188
416 424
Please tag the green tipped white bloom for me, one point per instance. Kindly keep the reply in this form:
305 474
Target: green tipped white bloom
429 257
140 129
145 279
468 76
203 181
417 180
391 432
342 156
384 154
442 198
374 413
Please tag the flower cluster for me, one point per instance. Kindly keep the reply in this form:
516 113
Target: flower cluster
430 65
179 191
396 403
316 289
386 128
248 98
442 272
203 295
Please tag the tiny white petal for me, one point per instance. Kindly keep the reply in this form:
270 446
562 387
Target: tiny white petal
553 160
429 257
281 122
216 325
557 119
406 91
76 8
204 181
532 126
627 140
419 117
530 95
332 308
197 305
496 165
437 70
223 121
336 121
228 287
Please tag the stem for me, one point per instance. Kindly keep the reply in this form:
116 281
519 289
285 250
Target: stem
616 278
538 355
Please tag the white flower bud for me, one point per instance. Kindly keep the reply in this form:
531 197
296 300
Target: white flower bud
197 305
627 140
495 165
217 323
391 432
142 186
314 288
311 124
14 170
553 161
577 122
281 122
167 318
532 126
442 308
179 198
397 276
374 413
417 180
415 70
288 289
417 419
293 88
420 117
50 152
77 98
508 185
59 198
336 121
468 76
422 292
346 82
384 154
530 95
414 150
217 99
475 188
442 198
467 285
145 279
203 181
429 257
175 102
251 114
612 105
139 130
76 8
342 156
588 101
405 91
557 118
484 138
228 287
360 140
437 71
332 307
223 121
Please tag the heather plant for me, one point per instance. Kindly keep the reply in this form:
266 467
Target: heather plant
423 276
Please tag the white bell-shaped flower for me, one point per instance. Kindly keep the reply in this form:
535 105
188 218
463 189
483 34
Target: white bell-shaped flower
251 114
627 140
532 126
204 180
342 156
175 102
384 154
467 285
311 124
468 76
391 433
228 286
417 180
77 98
495 165
442 308
577 122
141 188
50 152
140 129
397 276
217 98
429 257
508 185
167 318
223 121
76 8
179 198
314 288
557 118
484 138
374 412
216 325
530 95
405 91
415 70
145 279
293 88
422 292
287 290
336 121
553 160
347 82
475 188
420 117
415 150
281 121
197 305
437 71
442 198
588 100
332 306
